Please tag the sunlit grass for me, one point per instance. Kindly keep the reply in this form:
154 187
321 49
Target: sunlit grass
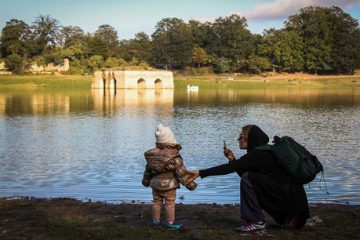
29 82
45 81
256 82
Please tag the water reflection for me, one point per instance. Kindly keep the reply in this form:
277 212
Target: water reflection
90 144
293 96
132 98
45 103
34 104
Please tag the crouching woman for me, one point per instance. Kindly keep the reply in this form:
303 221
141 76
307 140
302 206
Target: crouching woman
264 185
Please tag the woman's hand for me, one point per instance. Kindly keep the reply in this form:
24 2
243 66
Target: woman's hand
193 174
229 154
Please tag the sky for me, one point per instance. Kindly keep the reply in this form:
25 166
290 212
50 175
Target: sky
129 17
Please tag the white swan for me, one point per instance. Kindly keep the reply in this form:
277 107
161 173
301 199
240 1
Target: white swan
192 88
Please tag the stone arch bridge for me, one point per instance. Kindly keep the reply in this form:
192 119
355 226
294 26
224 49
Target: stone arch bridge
132 79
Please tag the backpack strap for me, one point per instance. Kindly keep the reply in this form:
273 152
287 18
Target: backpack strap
266 147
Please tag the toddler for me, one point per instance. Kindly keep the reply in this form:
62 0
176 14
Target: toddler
164 172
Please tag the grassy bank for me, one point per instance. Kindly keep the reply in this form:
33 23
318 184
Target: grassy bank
71 219
44 82
276 81
30 82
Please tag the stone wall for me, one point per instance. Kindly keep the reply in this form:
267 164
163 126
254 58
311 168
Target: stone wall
2 66
132 79
50 68
3 70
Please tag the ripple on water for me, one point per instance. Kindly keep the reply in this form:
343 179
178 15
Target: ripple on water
96 151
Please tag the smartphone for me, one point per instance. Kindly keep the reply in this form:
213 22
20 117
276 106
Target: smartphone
225 145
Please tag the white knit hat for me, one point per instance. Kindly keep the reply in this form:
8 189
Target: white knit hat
164 135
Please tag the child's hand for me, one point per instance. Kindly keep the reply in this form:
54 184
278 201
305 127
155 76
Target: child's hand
191 186
145 183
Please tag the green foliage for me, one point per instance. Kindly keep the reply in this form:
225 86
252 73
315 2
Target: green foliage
346 44
231 40
200 33
96 62
199 57
55 57
283 49
330 41
315 40
139 48
77 69
15 38
96 46
114 62
72 35
39 60
144 65
257 64
47 32
108 36
172 41
74 52
222 65
14 63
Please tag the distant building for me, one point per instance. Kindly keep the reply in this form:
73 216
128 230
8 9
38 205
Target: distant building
132 79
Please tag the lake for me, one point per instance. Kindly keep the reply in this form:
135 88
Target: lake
89 144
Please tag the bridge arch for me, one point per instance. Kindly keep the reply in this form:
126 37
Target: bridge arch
158 83
141 83
113 79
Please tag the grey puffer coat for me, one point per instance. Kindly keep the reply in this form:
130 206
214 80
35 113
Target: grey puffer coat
165 169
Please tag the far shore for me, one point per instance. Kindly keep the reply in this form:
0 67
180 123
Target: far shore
205 80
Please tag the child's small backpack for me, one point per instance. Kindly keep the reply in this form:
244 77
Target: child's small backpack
300 164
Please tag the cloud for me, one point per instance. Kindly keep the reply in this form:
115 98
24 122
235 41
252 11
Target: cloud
281 9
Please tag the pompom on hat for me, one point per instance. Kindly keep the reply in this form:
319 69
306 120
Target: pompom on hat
164 135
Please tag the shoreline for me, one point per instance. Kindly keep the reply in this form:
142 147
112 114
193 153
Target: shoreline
146 202
67 218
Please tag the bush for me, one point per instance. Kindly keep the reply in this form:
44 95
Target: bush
76 70
14 63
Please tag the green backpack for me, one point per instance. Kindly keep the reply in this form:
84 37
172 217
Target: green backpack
300 164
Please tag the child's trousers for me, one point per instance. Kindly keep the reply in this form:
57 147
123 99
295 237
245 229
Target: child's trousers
169 197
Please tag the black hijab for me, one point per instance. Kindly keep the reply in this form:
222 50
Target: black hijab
256 137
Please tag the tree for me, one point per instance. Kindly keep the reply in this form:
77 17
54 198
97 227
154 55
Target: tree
108 35
345 41
71 35
15 38
74 52
199 57
231 40
96 62
95 45
114 62
283 49
330 39
222 65
200 33
47 32
172 43
313 27
258 64
54 56
139 48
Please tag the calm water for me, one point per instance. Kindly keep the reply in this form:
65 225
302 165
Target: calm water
89 145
